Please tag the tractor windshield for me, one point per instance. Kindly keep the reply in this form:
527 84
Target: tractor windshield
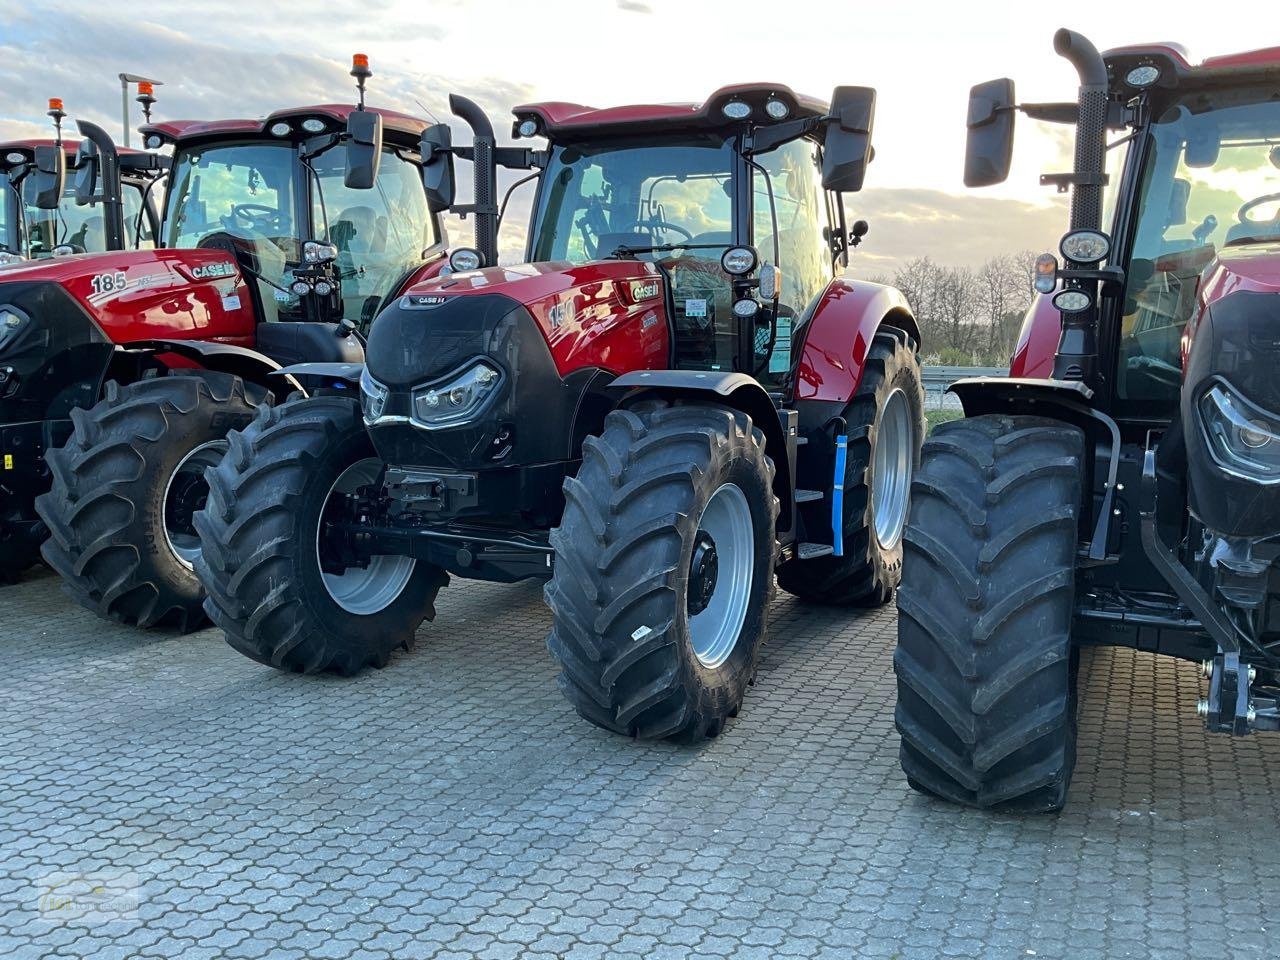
1211 183
380 234
83 229
596 198
240 197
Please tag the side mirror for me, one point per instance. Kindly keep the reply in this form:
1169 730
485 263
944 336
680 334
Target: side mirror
1178 197
86 184
989 149
437 167
364 149
50 176
846 146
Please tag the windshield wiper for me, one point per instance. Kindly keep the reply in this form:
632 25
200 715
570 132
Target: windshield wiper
625 251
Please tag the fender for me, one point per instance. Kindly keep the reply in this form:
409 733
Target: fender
1037 340
838 333
225 357
1065 400
346 372
736 390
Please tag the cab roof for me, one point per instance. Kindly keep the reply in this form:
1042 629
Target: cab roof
560 120
1177 68
69 146
395 125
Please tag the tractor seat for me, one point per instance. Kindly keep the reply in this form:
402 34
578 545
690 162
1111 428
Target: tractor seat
360 230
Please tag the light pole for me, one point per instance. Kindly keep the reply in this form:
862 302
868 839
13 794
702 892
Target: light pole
125 80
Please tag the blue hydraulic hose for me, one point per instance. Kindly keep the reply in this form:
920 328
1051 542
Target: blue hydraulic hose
837 497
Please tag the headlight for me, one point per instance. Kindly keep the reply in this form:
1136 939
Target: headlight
1072 301
1085 246
464 259
527 127
737 261
280 129
777 109
313 125
313 251
1243 438
458 399
745 308
154 141
1143 76
12 323
373 396
736 110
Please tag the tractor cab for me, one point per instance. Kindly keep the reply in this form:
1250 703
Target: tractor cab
726 199
37 222
322 206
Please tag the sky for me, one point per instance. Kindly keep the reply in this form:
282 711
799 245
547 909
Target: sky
225 58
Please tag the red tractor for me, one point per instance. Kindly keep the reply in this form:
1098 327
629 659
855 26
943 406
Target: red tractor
121 373
41 215
1122 487
677 395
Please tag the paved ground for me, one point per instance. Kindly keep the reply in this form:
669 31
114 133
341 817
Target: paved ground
452 806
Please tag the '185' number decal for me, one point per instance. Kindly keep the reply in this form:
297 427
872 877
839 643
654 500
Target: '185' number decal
108 282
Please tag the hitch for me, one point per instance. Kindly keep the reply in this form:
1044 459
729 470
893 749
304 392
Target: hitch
1231 706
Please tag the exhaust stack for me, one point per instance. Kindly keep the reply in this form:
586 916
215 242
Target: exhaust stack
1077 357
486 176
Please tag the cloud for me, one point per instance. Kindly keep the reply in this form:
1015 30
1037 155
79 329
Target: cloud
634 6
955 229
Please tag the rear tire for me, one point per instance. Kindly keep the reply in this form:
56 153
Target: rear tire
124 487
985 666
664 569
260 537
888 403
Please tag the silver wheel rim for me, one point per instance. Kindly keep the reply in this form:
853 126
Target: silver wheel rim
187 480
891 470
714 630
364 590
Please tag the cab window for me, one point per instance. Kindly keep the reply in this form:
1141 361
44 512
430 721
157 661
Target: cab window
802 253
380 233
135 217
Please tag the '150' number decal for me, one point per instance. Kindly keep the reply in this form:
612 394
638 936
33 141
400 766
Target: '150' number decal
108 282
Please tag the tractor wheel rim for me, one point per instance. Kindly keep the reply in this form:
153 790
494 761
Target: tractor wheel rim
891 470
727 527
364 591
186 492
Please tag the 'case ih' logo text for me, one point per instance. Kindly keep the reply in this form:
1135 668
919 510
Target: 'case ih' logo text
643 290
426 300
208 271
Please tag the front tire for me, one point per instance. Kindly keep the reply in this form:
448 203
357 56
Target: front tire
125 486
269 499
664 569
985 665
885 424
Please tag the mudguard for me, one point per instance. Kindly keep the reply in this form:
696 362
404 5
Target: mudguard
838 333
1037 340
346 372
225 357
735 390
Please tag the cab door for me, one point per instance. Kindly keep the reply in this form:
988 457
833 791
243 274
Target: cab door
795 243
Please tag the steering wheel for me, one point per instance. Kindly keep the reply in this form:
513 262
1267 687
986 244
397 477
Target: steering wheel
654 225
1241 214
257 216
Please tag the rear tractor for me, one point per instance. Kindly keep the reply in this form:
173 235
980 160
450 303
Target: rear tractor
124 370
1122 487
676 395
